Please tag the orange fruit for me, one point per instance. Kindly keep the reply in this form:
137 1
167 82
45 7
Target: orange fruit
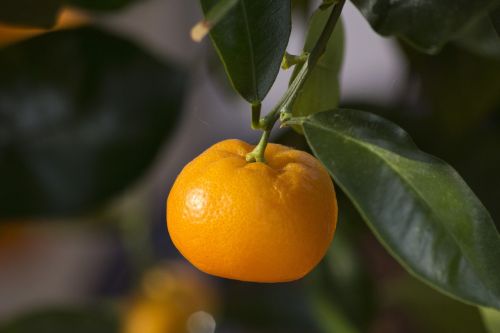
69 18
258 222
169 294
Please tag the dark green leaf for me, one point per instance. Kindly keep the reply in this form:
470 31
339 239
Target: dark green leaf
33 13
426 24
321 91
418 206
478 141
82 115
85 320
251 40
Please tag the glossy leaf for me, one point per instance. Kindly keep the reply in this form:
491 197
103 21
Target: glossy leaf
491 319
417 206
427 25
251 40
82 115
32 13
84 320
321 91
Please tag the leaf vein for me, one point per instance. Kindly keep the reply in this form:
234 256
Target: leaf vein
250 49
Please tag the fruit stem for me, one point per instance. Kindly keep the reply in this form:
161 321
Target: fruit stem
257 154
283 110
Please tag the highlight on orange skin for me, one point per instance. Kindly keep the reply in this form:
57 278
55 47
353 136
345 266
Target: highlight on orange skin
68 18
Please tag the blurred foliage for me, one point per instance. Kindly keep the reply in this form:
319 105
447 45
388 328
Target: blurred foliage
79 125
68 18
429 311
495 20
36 13
481 38
95 319
44 13
267 308
342 294
458 90
491 319
101 5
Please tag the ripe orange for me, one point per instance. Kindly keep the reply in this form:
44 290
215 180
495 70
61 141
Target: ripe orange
169 294
69 18
259 222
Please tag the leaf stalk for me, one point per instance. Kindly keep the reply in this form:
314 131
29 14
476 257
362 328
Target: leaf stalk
283 109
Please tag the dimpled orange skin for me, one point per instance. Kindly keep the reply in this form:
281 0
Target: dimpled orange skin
256 222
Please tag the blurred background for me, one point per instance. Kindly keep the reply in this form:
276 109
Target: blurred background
98 116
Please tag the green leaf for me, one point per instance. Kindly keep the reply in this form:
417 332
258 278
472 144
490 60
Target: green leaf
491 319
32 13
82 115
251 41
417 206
321 91
81 320
427 25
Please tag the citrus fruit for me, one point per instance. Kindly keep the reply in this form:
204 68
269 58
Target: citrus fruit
258 222
69 18
168 295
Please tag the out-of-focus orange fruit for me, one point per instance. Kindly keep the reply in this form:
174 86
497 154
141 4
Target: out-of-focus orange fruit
169 294
68 18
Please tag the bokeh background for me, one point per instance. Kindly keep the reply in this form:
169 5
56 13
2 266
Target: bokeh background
97 119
